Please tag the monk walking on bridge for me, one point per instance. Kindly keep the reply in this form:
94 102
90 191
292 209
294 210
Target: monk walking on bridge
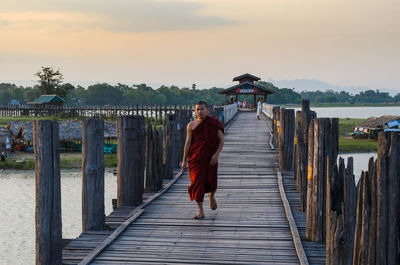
204 142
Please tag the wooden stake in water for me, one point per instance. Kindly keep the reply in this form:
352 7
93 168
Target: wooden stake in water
48 192
93 216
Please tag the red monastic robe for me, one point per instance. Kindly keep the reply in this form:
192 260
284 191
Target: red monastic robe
205 141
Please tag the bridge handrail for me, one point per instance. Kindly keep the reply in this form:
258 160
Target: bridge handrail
267 109
230 112
225 113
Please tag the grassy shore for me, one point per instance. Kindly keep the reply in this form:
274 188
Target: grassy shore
347 144
74 160
334 105
354 105
66 162
350 145
4 120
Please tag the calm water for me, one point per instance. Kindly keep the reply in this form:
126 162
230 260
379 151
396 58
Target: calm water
355 112
360 162
17 211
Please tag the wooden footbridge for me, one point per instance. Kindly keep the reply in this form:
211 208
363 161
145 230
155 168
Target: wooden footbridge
293 204
250 225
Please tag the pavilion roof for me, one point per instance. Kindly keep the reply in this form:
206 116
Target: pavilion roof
260 89
47 99
238 78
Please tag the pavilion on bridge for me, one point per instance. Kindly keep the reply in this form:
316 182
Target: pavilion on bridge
247 86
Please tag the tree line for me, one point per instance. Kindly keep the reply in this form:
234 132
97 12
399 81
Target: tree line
50 82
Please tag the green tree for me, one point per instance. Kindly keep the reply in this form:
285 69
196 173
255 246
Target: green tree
103 94
397 98
49 80
32 93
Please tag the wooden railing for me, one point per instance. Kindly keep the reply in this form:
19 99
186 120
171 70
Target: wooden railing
359 224
225 113
149 111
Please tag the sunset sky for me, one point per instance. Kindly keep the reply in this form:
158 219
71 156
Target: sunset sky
207 42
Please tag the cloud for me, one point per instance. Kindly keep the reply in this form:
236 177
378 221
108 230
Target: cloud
125 15
4 23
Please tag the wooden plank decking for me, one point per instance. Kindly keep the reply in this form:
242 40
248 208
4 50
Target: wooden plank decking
249 226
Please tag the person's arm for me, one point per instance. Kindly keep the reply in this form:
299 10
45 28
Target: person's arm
188 143
214 158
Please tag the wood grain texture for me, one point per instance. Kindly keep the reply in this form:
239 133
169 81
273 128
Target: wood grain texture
48 192
131 147
93 216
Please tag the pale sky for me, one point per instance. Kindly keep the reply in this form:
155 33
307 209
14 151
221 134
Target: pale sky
207 42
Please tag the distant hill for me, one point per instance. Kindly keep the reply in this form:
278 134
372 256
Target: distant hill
314 85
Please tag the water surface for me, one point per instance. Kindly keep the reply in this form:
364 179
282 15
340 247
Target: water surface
360 162
354 112
17 211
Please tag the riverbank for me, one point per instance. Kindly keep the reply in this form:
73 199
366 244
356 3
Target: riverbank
26 161
347 144
5 120
67 161
350 105
350 145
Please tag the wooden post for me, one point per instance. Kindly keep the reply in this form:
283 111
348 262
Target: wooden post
393 198
158 174
377 238
93 216
310 208
341 213
275 111
382 202
325 149
179 139
306 116
48 192
388 192
286 139
152 160
170 158
131 138
296 154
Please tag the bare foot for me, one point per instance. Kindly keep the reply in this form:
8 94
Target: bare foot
213 202
199 216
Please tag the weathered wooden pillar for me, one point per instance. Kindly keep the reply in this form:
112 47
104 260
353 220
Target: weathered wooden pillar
150 157
310 198
306 116
93 216
181 124
158 167
296 154
377 237
170 158
341 202
48 192
275 119
325 148
131 142
286 139
393 198
362 222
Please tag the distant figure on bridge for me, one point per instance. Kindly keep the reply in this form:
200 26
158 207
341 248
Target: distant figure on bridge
204 142
259 108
